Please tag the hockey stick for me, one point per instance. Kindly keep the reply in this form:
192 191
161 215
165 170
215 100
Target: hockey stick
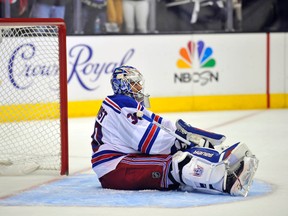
168 130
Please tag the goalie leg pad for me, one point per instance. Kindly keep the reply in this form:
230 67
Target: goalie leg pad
202 169
198 173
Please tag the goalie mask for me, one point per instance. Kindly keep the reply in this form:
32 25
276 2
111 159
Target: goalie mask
129 81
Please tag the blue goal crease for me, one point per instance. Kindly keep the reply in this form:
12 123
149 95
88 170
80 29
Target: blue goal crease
85 190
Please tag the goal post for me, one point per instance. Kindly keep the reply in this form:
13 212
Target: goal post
33 96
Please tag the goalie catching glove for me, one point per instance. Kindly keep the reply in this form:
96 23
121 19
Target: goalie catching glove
196 136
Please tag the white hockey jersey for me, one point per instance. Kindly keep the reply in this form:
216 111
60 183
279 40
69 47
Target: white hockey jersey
118 131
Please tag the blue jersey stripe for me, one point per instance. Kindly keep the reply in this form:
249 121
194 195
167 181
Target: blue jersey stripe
104 156
105 160
116 110
153 140
144 145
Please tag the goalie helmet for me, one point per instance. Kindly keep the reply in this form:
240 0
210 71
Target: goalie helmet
127 80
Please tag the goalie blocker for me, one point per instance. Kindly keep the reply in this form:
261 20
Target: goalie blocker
207 170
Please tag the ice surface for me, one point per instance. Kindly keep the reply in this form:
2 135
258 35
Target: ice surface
264 131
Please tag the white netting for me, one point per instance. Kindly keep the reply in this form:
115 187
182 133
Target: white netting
30 96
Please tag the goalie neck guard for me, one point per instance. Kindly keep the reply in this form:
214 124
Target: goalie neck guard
127 80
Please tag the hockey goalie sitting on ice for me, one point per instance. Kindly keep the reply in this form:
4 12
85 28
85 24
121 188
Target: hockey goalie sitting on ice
135 149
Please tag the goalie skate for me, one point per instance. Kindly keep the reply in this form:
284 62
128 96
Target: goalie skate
240 177
195 134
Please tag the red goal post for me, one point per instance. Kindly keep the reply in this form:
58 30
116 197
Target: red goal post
33 96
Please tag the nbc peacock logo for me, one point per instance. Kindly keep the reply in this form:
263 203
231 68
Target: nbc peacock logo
196 64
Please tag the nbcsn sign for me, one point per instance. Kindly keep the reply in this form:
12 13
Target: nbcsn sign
196 64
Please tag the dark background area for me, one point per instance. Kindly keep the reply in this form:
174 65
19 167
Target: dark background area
255 16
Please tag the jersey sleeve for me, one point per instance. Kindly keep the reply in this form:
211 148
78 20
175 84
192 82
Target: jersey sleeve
164 141
165 122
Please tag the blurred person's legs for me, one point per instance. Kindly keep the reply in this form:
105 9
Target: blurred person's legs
58 11
119 13
142 12
40 10
114 11
88 19
2 11
111 11
128 15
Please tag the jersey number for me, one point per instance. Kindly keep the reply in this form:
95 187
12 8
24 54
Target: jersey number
133 117
98 128
101 114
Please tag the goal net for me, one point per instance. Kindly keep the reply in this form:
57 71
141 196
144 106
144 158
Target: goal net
33 96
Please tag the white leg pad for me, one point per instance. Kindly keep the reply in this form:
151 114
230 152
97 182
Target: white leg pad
177 158
198 173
